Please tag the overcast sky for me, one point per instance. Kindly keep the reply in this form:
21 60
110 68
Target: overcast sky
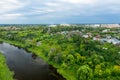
59 11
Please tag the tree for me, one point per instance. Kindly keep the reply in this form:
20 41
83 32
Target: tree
33 42
98 72
84 73
58 58
70 59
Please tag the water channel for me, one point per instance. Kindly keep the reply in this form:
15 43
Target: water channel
27 66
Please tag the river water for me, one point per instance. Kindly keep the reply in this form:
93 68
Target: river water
26 66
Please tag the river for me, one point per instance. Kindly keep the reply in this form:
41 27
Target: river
27 66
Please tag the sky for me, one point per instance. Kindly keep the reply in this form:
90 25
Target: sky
59 11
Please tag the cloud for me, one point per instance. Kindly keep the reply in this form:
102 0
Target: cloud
13 15
9 5
52 4
79 1
59 10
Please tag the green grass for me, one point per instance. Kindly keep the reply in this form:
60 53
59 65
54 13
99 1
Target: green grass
5 73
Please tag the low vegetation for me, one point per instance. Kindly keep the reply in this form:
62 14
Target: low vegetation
5 73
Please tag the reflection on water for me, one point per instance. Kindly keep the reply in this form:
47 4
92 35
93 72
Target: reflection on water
27 66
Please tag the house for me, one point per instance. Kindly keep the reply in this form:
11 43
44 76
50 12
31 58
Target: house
64 32
106 30
88 35
98 37
108 37
85 36
103 40
113 41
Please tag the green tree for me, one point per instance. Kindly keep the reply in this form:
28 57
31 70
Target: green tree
58 58
84 73
70 59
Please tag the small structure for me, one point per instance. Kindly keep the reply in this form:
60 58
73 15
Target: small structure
113 41
64 32
85 36
88 35
108 37
106 30
98 37
39 43
105 48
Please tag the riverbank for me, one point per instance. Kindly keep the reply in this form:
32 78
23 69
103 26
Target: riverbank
62 71
5 73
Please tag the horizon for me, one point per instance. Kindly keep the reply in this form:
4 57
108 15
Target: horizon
59 24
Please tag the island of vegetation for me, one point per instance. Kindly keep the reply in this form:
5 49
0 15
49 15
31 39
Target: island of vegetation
78 52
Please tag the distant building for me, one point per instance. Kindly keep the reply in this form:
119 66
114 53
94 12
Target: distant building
92 25
95 25
52 25
65 25
12 28
106 30
110 25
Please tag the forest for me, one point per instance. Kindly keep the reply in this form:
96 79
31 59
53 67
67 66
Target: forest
75 57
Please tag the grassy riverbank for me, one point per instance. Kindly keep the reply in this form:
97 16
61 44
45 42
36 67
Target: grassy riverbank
5 73
63 71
